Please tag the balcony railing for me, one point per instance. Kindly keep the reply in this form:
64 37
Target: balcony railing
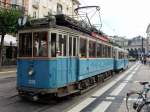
7 6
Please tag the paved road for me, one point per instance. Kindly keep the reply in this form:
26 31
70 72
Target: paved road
107 97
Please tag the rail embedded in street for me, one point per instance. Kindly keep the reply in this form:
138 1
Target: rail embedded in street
137 101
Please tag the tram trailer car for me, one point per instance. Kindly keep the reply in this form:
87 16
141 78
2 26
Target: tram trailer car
57 60
120 59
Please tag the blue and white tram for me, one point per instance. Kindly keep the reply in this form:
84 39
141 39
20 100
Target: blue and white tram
121 59
59 60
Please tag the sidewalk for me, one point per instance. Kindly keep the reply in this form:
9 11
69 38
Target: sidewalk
143 74
8 68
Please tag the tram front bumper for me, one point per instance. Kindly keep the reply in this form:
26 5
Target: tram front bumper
36 90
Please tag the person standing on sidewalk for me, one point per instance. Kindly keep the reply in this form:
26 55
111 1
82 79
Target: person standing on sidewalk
145 60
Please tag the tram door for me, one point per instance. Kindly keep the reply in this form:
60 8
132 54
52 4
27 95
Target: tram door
66 58
72 58
62 64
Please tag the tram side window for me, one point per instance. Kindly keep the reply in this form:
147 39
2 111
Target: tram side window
53 44
62 44
70 46
40 44
74 46
83 48
120 55
104 51
25 45
99 50
109 51
92 49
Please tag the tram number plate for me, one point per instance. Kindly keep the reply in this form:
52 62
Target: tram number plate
31 81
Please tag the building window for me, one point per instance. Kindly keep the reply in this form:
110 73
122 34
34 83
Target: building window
13 1
34 14
59 8
21 2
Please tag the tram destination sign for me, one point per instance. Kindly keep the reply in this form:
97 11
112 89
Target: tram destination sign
103 38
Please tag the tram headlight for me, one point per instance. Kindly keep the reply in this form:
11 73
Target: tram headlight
30 71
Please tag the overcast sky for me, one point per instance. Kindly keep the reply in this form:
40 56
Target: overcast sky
127 18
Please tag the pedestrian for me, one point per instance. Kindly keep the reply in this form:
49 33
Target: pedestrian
145 60
142 60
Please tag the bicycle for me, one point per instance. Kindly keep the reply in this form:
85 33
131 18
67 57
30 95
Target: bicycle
137 100
144 107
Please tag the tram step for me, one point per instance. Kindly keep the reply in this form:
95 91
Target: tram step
85 90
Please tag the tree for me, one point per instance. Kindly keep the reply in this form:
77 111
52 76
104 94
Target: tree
8 24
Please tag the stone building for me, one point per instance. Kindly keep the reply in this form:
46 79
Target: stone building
137 46
148 39
35 9
121 41
10 45
19 4
41 8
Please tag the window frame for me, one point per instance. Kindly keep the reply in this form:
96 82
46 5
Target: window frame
86 47
32 31
47 43
31 45
93 42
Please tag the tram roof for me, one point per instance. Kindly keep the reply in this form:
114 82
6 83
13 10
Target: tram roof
53 21
62 20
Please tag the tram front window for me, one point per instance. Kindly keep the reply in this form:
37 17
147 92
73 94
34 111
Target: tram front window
25 44
40 47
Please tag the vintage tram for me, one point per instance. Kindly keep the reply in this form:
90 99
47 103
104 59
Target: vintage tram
58 57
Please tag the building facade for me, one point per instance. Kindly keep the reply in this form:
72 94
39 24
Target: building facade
41 8
137 46
9 50
121 41
19 4
148 39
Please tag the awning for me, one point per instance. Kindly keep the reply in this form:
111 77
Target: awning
9 40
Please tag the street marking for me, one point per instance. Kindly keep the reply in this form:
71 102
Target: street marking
129 77
110 98
102 106
8 72
82 105
7 76
118 89
102 90
133 99
122 85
